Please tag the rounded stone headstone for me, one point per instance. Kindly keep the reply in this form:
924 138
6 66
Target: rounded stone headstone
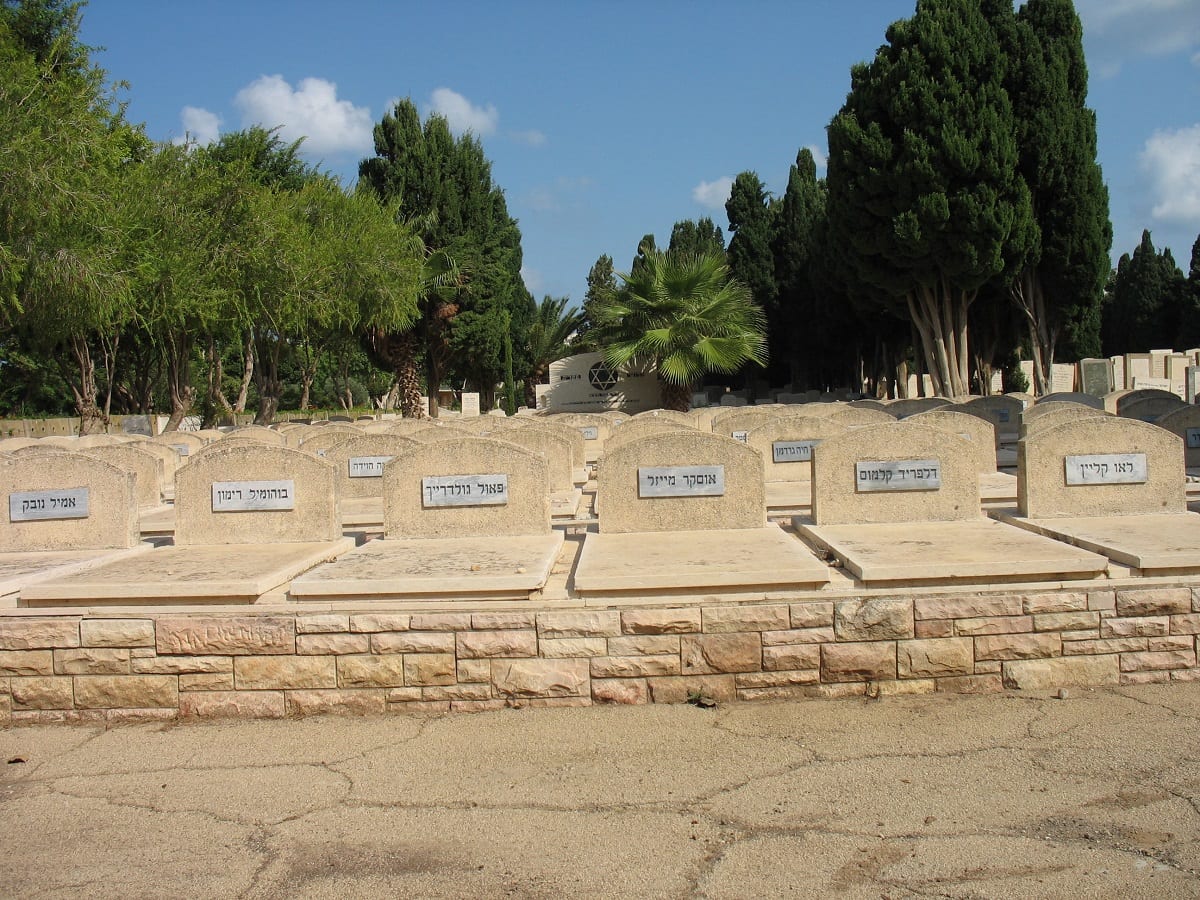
978 431
633 429
858 417
318 444
555 448
359 460
573 436
1129 398
1151 409
786 445
146 465
913 405
1185 423
1049 415
1071 397
1003 411
259 433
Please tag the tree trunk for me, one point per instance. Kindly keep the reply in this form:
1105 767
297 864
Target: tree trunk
91 419
179 379
675 396
939 314
239 405
1031 300
266 379
408 375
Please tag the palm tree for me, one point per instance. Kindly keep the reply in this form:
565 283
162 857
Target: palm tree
551 337
686 313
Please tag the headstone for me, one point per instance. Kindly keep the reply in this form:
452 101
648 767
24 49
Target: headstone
1151 384
1185 423
359 462
1062 378
1002 411
997 383
474 477
1026 367
1096 376
739 421
247 493
1118 370
1130 398
857 417
555 448
147 467
1050 415
1177 364
914 405
259 433
977 430
137 425
1072 397
1150 409
787 445
319 443
1158 363
733 400
634 429
470 404
1083 468
1137 365
1192 389
79 503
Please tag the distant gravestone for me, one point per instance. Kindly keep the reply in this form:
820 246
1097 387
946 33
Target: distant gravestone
1185 423
1151 384
137 425
1062 378
978 431
359 462
1192 385
787 445
470 404
1137 365
146 466
1151 409
1072 397
1096 376
1002 411
1118 370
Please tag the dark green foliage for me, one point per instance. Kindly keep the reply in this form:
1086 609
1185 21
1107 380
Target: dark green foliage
646 246
552 335
751 216
696 237
267 159
1140 309
601 282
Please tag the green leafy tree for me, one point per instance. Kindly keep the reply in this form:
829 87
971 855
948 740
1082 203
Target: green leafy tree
646 246
751 223
1138 310
1189 320
696 237
925 201
551 337
601 282
687 315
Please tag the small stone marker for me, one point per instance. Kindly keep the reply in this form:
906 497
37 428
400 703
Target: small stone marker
681 481
470 404
252 496
1096 376
465 490
32 506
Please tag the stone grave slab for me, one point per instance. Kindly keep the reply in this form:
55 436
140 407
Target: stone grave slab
1151 409
1165 544
469 568
320 442
718 560
358 462
975 429
913 405
259 433
633 430
1049 415
954 552
1002 411
786 446
21 570
857 416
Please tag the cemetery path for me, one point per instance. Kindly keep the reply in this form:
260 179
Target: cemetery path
1096 794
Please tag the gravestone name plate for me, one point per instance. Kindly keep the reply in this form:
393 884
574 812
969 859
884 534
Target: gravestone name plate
1193 438
590 432
792 451
681 481
32 506
1003 415
253 496
898 475
464 490
366 466
740 435
1106 468
181 449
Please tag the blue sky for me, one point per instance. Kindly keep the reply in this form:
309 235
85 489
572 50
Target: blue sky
606 121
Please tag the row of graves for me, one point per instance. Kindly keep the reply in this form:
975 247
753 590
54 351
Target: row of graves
766 551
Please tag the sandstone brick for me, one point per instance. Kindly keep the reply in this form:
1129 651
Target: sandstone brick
503 621
42 692
481 644
59 716
660 621
1195 599
1056 602
1154 602
934 628
1152 660
233 704
791 656
91 661
798 636
1091 634
967 607
530 678
21 633
1185 675
1145 677
776 692
1186 624
474 670
993 625
404 694
865 661
267 673
634 666
441 622
552 702
1181 642
429 669
231 635
340 702
642 644
678 688
204 681
935 658
26 662
424 706
370 671
776 679
322 623
715 653
377 622
1149 626
627 691
1063 671
116 632
1066 621
413 642
602 623
5 710
722 619
970 684
457 692
813 614
116 691
142 652
563 648
838 691
908 687
988 668
1102 601
477 706
179 665
323 644
875 619
1100 647
1018 646
123 716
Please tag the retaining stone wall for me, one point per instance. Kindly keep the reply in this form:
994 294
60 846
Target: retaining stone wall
282 662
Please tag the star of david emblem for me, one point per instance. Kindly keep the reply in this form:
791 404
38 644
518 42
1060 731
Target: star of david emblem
601 377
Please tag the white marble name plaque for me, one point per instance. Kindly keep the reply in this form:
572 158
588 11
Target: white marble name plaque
1106 468
464 490
792 451
181 449
32 506
1193 438
742 436
590 432
366 466
253 496
681 481
898 475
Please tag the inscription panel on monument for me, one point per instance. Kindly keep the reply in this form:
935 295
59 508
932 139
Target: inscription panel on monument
1193 438
33 506
366 466
464 490
877 476
253 496
742 436
792 451
590 432
1106 468
681 481
181 449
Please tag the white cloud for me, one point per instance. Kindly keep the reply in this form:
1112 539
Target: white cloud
200 126
533 279
713 194
311 111
818 155
1171 159
533 137
1115 31
462 115
562 193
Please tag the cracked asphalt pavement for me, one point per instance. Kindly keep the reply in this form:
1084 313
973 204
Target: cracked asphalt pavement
1097 794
